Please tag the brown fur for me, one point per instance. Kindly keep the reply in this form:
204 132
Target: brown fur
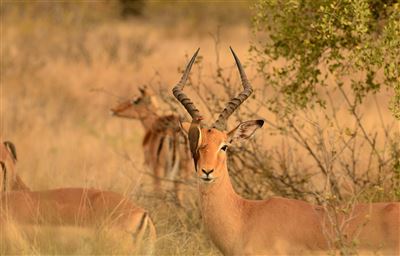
278 225
165 146
9 178
80 207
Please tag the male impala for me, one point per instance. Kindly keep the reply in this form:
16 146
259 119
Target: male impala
77 207
165 147
277 225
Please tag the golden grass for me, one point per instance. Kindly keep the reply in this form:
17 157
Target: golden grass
64 134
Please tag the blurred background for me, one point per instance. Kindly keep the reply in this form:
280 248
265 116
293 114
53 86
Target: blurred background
64 64
58 57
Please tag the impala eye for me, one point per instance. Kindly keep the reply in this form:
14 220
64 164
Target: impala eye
224 147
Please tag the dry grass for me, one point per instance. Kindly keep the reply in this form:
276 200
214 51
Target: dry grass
61 125
51 66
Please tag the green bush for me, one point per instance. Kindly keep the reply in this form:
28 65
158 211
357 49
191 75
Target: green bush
322 40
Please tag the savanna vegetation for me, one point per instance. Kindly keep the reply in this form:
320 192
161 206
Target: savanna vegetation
326 78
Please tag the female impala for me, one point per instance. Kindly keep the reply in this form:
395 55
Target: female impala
9 178
277 225
80 208
74 207
165 147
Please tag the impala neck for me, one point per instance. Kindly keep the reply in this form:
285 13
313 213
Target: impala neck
147 117
222 211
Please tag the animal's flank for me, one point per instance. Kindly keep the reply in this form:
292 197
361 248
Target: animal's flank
77 207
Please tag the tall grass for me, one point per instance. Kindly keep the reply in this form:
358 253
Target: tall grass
63 65
56 59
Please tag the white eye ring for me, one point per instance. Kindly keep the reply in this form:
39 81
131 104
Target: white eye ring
224 147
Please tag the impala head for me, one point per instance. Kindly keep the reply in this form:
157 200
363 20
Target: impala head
8 159
137 107
209 145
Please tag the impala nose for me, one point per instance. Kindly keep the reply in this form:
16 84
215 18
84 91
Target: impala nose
207 172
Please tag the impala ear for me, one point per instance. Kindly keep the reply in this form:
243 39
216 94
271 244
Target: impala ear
193 132
244 130
12 149
185 126
194 136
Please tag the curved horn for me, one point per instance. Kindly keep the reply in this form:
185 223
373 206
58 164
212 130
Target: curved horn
234 103
179 95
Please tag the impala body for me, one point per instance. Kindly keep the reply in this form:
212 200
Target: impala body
165 147
276 226
75 207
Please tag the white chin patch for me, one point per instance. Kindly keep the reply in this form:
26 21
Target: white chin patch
207 180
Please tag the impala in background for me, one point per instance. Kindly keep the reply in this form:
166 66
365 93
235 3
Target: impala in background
72 207
165 147
9 178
